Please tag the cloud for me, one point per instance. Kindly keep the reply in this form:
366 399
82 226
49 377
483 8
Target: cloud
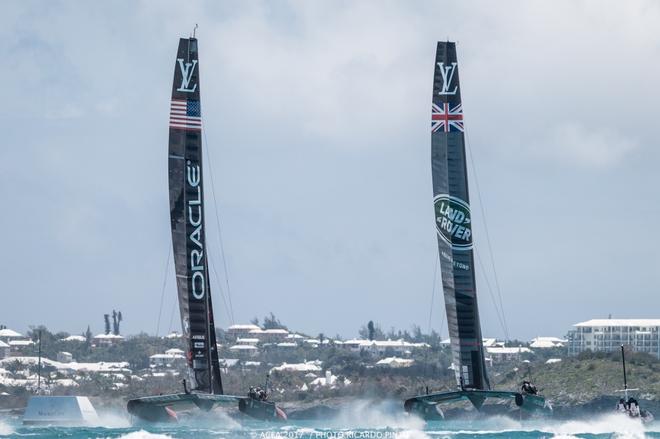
317 117
574 145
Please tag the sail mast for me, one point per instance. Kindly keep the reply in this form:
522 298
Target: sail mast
186 192
454 222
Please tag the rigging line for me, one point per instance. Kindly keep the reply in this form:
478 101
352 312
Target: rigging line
492 296
428 330
217 220
169 329
435 275
162 293
490 247
222 293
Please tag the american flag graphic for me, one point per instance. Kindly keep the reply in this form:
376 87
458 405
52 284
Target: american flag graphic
444 118
186 115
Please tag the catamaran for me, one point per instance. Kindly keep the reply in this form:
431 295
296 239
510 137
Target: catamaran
203 388
453 223
628 405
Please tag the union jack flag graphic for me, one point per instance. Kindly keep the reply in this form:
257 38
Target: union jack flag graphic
444 118
185 114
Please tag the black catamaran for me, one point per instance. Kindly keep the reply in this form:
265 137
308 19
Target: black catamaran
204 389
454 228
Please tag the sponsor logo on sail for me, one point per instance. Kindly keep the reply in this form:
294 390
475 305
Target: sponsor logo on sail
187 70
453 221
447 73
195 245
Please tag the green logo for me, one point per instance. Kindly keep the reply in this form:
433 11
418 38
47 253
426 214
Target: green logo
453 221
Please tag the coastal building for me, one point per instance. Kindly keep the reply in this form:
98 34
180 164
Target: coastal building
487 342
20 346
249 341
547 343
499 353
7 335
107 339
269 335
64 357
395 362
244 350
165 360
306 367
76 338
607 335
237 331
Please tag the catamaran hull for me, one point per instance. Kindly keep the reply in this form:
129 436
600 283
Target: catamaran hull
263 410
151 413
428 407
167 408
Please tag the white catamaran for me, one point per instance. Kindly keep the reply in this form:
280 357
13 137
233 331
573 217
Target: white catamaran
628 405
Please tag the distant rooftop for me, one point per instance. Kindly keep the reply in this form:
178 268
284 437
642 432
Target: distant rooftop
242 327
109 336
9 333
618 322
74 338
507 350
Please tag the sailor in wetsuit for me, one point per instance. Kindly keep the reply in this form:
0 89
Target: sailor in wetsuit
621 406
633 407
528 388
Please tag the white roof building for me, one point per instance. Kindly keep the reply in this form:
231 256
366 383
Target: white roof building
240 328
108 339
244 349
596 323
309 366
162 360
607 335
74 338
19 344
9 333
395 362
499 353
547 342
252 341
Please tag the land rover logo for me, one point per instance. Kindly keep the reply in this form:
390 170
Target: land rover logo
453 221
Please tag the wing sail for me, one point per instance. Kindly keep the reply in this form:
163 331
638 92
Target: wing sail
187 221
454 222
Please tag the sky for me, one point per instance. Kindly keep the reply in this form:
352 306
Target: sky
318 144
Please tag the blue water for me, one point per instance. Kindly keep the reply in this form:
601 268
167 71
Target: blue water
356 427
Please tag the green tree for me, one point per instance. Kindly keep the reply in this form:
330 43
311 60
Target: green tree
272 322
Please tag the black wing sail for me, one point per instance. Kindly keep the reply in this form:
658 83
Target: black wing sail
187 221
454 222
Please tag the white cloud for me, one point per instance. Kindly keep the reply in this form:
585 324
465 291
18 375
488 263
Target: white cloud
573 144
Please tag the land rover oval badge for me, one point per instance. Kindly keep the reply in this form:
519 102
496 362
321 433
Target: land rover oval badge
453 221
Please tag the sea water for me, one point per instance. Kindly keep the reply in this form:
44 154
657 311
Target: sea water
356 422
602 427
